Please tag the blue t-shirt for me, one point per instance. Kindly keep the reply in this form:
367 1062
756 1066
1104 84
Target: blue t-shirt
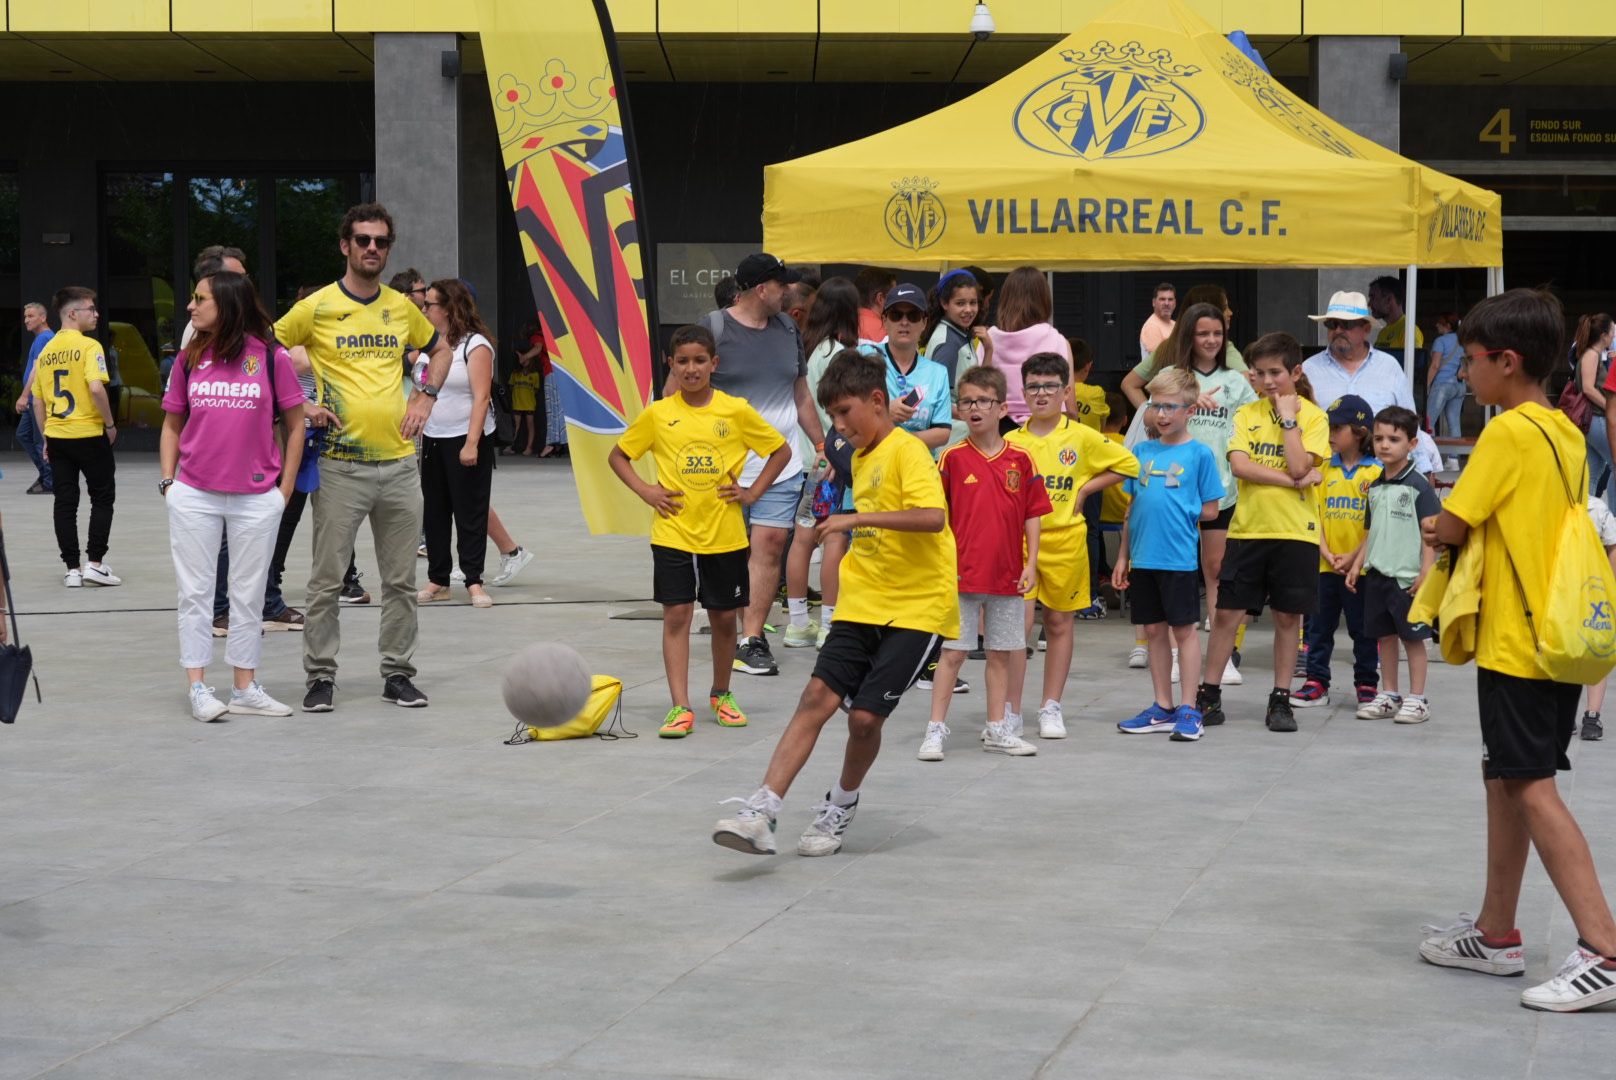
1164 517
935 408
1447 352
41 340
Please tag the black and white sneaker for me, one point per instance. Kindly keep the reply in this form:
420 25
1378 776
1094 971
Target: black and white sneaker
1583 981
1280 716
1593 728
824 835
401 692
319 697
753 657
1461 946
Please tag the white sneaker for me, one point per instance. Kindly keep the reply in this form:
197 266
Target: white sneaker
1412 711
1051 724
823 836
204 706
999 739
1383 707
1460 946
511 565
751 830
255 702
801 637
1139 657
931 747
1231 674
100 575
73 579
1581 983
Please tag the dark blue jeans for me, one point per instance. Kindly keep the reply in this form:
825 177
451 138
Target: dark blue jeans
34 443
1334 601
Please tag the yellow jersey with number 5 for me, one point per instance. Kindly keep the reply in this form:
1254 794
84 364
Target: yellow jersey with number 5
62 377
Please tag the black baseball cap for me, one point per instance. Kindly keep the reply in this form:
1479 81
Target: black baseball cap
913 295
756 269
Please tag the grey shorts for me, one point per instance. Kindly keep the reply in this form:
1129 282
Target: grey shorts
1002 621
777 509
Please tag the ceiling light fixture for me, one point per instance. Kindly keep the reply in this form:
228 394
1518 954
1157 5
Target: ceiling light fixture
982 24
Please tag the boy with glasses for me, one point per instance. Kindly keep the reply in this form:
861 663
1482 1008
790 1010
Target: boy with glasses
72 409
1075 461
996 501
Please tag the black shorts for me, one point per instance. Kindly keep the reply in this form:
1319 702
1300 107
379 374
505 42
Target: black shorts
1282 574
871 666
721 581
1526 725
1385 610
1169 596
1221 522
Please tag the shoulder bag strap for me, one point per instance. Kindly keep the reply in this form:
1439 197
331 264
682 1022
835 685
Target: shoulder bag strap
11 610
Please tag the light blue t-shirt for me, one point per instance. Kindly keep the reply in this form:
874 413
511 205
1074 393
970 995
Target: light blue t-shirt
1164 517
930 379
1446 352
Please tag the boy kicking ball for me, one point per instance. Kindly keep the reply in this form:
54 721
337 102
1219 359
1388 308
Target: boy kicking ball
898 603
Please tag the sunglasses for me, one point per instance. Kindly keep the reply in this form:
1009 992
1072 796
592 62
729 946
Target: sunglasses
198 298
907 315
1342 324
365 240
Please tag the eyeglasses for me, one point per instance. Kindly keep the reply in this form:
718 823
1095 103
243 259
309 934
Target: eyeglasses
907 315
1342 324
976 404
199 298
419 290
365 240
433 303
1043 389
1480 355
1166 406
80 310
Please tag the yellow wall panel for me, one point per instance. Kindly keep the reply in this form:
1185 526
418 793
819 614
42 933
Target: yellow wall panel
1437 17
101 16
1562 18
404 16
737 17
633 16
246 16
1252 16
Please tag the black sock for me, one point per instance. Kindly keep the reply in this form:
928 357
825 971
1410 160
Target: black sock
1211 693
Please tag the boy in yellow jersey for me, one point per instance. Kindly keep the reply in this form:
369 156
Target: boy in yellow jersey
72 409
357 333
1279 443
1076 462
1343 500
898 605
1512 490
1086 403
699 437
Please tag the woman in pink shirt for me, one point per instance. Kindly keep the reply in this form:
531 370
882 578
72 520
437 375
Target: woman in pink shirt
223 473
1022 329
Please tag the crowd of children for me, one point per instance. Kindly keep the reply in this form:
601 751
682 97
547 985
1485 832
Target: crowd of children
1322 511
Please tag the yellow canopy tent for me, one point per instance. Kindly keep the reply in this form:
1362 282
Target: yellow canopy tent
1143 140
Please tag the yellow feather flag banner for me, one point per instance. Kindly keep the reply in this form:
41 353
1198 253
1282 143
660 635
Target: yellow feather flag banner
569 158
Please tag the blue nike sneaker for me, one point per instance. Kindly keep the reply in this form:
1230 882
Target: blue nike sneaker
1154 718
1187 727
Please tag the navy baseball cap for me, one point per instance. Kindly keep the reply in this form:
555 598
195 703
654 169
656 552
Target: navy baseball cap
756 269
906 293
1351 409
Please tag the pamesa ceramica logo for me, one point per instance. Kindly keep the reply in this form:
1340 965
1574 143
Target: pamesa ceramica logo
915 216
1112 103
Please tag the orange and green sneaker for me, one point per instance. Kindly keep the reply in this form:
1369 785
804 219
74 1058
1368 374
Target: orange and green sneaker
726 709
678 723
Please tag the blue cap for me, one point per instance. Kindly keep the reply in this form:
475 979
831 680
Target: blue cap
1351 409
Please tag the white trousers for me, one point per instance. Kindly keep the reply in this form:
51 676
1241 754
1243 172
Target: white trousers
196 519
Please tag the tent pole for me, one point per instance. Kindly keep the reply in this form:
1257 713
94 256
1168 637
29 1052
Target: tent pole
1412 291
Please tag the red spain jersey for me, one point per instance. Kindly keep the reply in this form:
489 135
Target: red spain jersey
989 502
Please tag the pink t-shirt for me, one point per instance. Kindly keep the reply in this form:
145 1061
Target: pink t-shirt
228 443
1011 348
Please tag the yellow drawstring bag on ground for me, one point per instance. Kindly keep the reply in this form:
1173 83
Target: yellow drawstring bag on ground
605 700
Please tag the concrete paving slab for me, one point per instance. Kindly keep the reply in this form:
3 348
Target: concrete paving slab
386 892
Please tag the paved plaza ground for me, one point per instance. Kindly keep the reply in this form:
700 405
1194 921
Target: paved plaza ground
390 893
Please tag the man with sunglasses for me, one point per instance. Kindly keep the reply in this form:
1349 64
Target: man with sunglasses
357 332
1350 365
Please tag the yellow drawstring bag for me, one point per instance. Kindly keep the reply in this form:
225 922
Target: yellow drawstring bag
605 700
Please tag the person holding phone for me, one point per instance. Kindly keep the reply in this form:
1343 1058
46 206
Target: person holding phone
918 388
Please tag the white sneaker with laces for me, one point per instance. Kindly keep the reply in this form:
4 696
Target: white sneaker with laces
1460 946
511 565
1051 724
1412 711
73 579
999 739
801 637
1139 657
1581 983
823 836
1231 674
751 830
254 701
204 706
100 575
1384 707
931 747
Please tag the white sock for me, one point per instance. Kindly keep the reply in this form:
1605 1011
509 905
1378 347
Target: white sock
1051 703
770 801
797 606
1420 697
827 613
840 797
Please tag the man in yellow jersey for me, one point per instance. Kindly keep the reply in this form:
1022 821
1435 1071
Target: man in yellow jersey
357 333
72 409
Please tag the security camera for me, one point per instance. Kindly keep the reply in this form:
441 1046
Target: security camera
982 25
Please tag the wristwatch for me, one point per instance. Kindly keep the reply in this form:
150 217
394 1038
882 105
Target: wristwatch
1287 425
429 390
163 486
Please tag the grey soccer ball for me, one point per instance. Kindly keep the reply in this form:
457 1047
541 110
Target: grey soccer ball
546 684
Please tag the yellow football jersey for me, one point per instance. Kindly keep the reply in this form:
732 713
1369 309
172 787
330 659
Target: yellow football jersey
1067 458
62 377
1268 511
